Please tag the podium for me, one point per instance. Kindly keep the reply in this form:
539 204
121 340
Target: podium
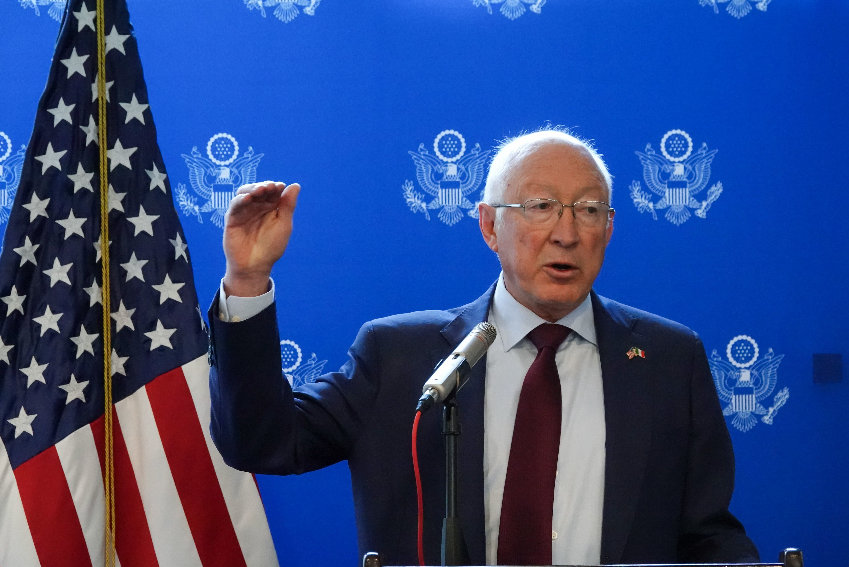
790 557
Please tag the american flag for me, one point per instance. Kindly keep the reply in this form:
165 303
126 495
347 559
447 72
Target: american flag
177 503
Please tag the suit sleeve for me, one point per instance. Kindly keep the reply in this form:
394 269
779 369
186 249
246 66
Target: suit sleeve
710 533
258 423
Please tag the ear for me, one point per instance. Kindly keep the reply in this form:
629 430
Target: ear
609 231
486 221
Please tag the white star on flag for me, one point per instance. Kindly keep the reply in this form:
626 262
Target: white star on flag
180 247
119 155
133 266
135 110
72 225
157 178
97 249
14 302
117 363
49 321
94 88
23 423
37 207
115 199
84 341
50 158
82 179
35 372
61 112
74 389
74 63
58 273
90 131
123 317
4 351
27 251
115 40
143 222
85 18
168 290
93 292
160 336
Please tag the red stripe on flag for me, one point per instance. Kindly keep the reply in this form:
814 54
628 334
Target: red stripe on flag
51 514
194 474
133 541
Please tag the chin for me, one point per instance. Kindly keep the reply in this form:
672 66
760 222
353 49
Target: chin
553 311
562 306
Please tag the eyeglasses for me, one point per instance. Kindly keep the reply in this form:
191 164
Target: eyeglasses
589 214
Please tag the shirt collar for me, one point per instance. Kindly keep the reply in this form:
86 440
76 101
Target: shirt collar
514 321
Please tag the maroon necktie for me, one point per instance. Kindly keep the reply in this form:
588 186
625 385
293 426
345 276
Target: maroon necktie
524 537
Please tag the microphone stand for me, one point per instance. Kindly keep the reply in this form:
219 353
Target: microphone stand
454 550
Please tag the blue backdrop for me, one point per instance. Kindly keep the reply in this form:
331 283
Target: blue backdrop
723 122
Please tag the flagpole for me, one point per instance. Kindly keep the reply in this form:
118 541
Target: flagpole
108 459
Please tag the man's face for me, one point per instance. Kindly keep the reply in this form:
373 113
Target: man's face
549 268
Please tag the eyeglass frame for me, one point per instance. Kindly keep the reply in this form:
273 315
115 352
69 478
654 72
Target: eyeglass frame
610 210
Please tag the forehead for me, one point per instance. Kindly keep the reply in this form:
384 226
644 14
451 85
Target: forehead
557 169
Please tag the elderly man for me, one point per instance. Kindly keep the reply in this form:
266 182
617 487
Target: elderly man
619 450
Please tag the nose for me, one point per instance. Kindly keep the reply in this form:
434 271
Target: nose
564 231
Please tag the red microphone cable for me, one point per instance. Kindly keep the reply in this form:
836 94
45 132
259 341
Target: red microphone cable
420 527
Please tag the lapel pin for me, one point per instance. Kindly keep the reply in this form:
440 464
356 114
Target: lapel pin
634 351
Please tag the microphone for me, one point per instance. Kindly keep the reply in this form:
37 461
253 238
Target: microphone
446 378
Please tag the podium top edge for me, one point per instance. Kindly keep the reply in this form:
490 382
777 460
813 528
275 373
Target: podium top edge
642 565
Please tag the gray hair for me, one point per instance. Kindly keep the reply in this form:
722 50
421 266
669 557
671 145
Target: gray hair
513 150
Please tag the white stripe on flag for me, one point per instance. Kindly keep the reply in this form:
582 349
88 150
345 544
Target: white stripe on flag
239 488
169 528
81 464
16 545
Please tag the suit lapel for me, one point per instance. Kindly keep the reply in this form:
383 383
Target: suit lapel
627 408
470 400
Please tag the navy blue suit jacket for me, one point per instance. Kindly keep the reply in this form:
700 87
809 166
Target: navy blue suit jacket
669 464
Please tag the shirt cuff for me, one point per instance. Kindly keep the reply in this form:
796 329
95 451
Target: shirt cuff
233 309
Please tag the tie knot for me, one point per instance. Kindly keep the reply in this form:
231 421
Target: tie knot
548 335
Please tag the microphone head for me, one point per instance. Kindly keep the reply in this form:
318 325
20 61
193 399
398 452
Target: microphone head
486 331
454 369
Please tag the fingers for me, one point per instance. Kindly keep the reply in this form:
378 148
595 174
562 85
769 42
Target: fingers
261 198
262 191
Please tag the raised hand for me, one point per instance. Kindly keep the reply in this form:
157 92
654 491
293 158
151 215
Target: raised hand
257 228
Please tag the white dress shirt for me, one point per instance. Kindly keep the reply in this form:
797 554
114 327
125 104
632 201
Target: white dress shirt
579 486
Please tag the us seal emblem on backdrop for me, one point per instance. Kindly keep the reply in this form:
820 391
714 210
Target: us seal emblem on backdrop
737 8
55 8
449 176
512 9
676 175
284 10
743 382
215 178
297 371
10 174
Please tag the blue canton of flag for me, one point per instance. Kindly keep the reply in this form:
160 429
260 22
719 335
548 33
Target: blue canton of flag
177 502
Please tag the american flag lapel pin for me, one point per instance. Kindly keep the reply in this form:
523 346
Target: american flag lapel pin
634 351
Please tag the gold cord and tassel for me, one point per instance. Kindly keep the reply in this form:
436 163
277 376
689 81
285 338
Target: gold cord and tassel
108 455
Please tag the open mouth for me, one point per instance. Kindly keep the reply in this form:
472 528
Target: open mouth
562 267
